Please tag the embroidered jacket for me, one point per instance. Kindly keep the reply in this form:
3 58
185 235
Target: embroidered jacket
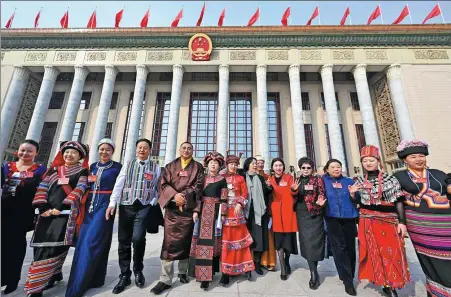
311 196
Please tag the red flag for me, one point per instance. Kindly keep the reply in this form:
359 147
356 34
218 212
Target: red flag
36 19
345 16
118 18
376 13
221 18
254 18
405 12
92 23
10 21
434 12
65 20
314 15
199 21
285 17
179 16
145 19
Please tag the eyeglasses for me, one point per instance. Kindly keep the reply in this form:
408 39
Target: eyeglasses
306 167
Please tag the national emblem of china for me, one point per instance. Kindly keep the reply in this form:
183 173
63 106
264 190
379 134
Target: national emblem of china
200 46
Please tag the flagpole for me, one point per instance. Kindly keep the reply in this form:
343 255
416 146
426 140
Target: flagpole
319 17
382 18
441 12
410 17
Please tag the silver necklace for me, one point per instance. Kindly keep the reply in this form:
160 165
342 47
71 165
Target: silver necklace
97 183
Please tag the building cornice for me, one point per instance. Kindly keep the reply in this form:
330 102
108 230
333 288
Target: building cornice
230 37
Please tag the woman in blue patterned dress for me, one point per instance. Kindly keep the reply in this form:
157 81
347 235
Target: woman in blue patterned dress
90 261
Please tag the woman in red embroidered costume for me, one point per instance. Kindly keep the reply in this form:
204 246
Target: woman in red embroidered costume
58 200
236 257
428 215
21 180
283 216
382 254
206 243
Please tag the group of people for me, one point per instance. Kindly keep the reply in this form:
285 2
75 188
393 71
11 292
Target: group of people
222 218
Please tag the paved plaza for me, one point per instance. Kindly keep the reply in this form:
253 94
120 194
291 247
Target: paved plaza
262 286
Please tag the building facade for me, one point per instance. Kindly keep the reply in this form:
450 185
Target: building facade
287 92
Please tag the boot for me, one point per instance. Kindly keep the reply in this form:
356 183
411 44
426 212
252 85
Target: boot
10 288
287 263
258 268
390 292
225 280
350 290
55 278
204 285
314 280
283 272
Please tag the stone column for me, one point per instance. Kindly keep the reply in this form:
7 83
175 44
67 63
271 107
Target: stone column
135 115
398 98
103 111
73 105
174 110
222 140
42 103
333 123
297 112
262 111
11 104
366 107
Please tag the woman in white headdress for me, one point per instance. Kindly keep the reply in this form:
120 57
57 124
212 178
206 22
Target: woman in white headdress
94 241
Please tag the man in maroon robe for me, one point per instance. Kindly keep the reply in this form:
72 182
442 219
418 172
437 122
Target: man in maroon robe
180 188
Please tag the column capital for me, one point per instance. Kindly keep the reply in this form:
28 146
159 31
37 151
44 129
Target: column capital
21 72
141 71
261 70
393 71
294 69
177 70
81 72
223 69
358 69
326 70
51 72
110 72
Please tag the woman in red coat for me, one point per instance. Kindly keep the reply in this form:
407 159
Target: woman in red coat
283 216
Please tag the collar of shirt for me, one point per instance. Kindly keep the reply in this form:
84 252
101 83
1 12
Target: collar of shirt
145 162
185 162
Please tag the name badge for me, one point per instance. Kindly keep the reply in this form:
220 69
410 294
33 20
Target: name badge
230 186
337 185
308 187
92 178
148 176
26 174
421 180
283 183
183 173
63 181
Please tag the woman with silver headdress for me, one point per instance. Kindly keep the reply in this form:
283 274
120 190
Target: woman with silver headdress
428 215
94 241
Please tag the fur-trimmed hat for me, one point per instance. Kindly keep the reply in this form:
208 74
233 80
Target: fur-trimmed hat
413 146
215 156
83 149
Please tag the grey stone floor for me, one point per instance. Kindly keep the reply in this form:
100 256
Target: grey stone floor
267 285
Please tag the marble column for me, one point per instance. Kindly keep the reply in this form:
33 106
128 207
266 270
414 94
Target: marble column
135 115
42 103
222 140
262 113
398 98
11 104
73 105
300 148
366 107
174 110
103 111
333 123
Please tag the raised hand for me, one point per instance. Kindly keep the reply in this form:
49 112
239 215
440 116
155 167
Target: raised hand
321 200
353 189
295 185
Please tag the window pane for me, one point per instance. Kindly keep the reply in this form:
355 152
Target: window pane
274 126
240 128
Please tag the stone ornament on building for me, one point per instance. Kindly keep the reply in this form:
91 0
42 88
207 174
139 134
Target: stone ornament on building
310 55
242 55
277 55
160 56
376 55
431 54
126 56
95 56
36 57
65 56
200 47
343 55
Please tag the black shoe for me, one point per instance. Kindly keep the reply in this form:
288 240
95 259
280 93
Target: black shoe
248 275
204 285
160 288
314 280
10 288
350 290
183 278
390 292
55 278
124 281
283 277
140 280
258 268
35 295
225 280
